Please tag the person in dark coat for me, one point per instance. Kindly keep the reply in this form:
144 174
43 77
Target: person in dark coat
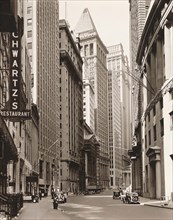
40 195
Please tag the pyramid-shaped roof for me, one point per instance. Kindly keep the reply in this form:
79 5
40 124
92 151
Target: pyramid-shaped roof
85 23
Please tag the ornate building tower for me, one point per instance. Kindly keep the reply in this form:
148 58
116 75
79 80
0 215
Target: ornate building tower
95 52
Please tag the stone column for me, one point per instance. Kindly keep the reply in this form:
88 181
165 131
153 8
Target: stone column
167 36
158 180
159 55
153 67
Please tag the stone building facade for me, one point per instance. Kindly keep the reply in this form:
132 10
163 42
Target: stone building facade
138 12
155 59
71 109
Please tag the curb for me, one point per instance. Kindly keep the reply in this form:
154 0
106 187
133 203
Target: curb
158 206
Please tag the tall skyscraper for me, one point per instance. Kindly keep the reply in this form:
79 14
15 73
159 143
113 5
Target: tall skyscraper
94 50
43 42
71 109
119 116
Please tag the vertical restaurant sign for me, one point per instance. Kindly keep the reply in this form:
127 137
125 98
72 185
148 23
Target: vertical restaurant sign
15 78
14 111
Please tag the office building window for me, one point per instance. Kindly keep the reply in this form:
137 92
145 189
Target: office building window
155 133
111 181
29 10
30 45
91 49
86 50
171 119
162 127
172 95
29 34
29 22
149 137
161 103
145 141
154 110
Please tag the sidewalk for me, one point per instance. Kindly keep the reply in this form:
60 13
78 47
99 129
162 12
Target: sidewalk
156 203
42 210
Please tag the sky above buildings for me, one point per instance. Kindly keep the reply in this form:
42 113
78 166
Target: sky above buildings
111 18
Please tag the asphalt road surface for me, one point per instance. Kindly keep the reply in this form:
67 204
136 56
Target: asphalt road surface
94 207
103 207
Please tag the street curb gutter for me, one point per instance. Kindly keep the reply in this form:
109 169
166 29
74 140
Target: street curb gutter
159 206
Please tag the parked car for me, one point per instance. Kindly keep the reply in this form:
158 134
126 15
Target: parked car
116 194
131 198
35 198
60 197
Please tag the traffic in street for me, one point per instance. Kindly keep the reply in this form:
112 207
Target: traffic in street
97 206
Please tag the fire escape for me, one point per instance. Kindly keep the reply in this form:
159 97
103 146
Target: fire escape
4 67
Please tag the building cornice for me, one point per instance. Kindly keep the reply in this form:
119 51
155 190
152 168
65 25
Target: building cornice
63 25
64 55
151 24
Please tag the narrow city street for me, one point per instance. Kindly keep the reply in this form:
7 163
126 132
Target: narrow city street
97 206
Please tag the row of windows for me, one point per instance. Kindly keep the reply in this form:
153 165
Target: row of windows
154 109
154 133
88 49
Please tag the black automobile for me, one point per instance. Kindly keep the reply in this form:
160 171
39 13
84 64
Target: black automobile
116 194
35 198
60 196
131 198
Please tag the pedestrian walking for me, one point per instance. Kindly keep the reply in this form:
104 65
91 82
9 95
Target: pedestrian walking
40 195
